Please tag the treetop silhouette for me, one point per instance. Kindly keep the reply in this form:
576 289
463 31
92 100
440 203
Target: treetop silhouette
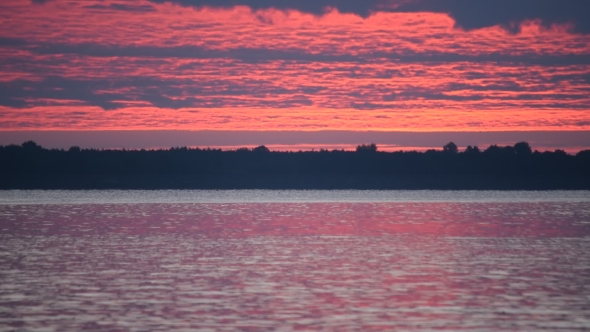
501 167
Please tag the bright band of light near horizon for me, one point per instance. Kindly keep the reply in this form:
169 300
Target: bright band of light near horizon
165 65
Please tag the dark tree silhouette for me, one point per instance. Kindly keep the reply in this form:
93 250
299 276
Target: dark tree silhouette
471 150
498 167
261 148
367 148
450 148
30 145
522 149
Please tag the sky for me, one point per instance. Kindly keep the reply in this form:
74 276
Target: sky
295 74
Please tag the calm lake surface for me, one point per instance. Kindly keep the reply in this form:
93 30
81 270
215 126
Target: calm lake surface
294 260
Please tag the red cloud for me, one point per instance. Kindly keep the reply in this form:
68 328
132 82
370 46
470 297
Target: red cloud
239 68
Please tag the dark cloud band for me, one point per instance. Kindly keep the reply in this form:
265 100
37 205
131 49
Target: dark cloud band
262 55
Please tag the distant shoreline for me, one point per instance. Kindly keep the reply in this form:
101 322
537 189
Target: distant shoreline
29 166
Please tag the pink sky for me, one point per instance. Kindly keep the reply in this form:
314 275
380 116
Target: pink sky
86 65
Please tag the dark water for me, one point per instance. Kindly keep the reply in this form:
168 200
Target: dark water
505 261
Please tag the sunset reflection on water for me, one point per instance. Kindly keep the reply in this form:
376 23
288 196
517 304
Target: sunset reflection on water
288 266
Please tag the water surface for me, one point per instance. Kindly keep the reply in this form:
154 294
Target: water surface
294 260
283 196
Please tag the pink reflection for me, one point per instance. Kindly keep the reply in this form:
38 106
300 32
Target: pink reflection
296 266
297 219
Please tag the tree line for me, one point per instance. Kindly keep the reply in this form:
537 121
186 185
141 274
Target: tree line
497 167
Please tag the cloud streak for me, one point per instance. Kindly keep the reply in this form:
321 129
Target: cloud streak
468 14
254 65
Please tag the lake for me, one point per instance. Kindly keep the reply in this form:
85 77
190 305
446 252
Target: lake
256 260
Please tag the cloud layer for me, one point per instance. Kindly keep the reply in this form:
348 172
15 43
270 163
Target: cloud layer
258 65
